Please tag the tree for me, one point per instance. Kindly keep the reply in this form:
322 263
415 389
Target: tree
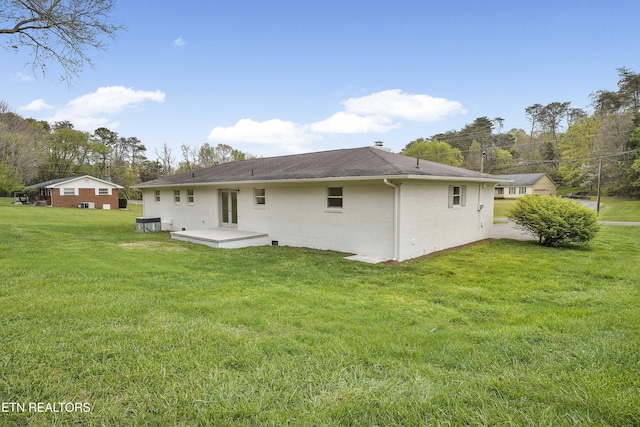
10 179
626 98
496 160
21 143
577 148
555 221
481 130
105 142
533 114
67 150
165 157
551 115
59 31
435 151
629 88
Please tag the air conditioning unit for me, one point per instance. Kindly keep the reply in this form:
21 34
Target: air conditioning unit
148 224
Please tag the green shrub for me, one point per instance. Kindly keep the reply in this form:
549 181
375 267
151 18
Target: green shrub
555 221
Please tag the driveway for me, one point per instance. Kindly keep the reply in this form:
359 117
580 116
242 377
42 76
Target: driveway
506 229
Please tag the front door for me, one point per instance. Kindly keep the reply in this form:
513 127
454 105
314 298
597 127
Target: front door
229 204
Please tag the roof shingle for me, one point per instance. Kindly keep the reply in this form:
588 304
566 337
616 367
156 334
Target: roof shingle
345 163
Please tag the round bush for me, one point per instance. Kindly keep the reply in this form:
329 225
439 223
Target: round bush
555 221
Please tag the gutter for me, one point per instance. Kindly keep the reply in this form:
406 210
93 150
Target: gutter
396 219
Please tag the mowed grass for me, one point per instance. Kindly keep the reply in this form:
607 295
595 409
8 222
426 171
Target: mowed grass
150 331
611 209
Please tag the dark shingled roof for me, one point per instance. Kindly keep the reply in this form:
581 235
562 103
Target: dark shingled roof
52 182
346 163
520 180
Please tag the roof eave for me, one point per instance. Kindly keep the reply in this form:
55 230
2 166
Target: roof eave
324 179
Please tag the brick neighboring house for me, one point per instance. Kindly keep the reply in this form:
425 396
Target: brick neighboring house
78 191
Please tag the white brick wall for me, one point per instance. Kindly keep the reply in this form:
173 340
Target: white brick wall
428 224
297 215
203 213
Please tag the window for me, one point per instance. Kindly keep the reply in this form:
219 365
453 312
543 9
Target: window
522 190
500 190
259 196
69 192
334 197
176 196
457 195
103 191
512 190
157 195
190 196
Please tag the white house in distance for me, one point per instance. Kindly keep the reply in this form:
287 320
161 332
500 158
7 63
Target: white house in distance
364 201
518 185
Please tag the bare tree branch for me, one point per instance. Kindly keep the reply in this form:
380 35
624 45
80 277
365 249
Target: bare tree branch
58 31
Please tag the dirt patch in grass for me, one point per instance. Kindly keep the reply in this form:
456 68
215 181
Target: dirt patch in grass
152 246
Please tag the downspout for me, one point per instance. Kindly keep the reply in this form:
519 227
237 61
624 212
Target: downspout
396 219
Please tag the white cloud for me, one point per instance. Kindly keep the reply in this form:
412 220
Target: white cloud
288 135
91 111
377 113
396 104
24 77
179 42
36 105
348 122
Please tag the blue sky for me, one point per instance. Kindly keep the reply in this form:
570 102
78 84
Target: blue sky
280 77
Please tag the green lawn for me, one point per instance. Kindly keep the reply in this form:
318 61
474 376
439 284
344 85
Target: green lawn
149 331
614 209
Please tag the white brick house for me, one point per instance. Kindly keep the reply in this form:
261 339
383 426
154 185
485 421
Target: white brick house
364 201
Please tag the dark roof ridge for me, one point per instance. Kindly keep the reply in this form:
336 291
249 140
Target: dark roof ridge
381 155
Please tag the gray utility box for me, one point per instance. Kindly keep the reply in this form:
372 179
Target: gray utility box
148 224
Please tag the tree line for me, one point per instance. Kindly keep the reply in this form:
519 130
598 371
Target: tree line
574 147
33 151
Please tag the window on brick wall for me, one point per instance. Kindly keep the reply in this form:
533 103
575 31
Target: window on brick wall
457 196
103 191
69 192
259 196
334 197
